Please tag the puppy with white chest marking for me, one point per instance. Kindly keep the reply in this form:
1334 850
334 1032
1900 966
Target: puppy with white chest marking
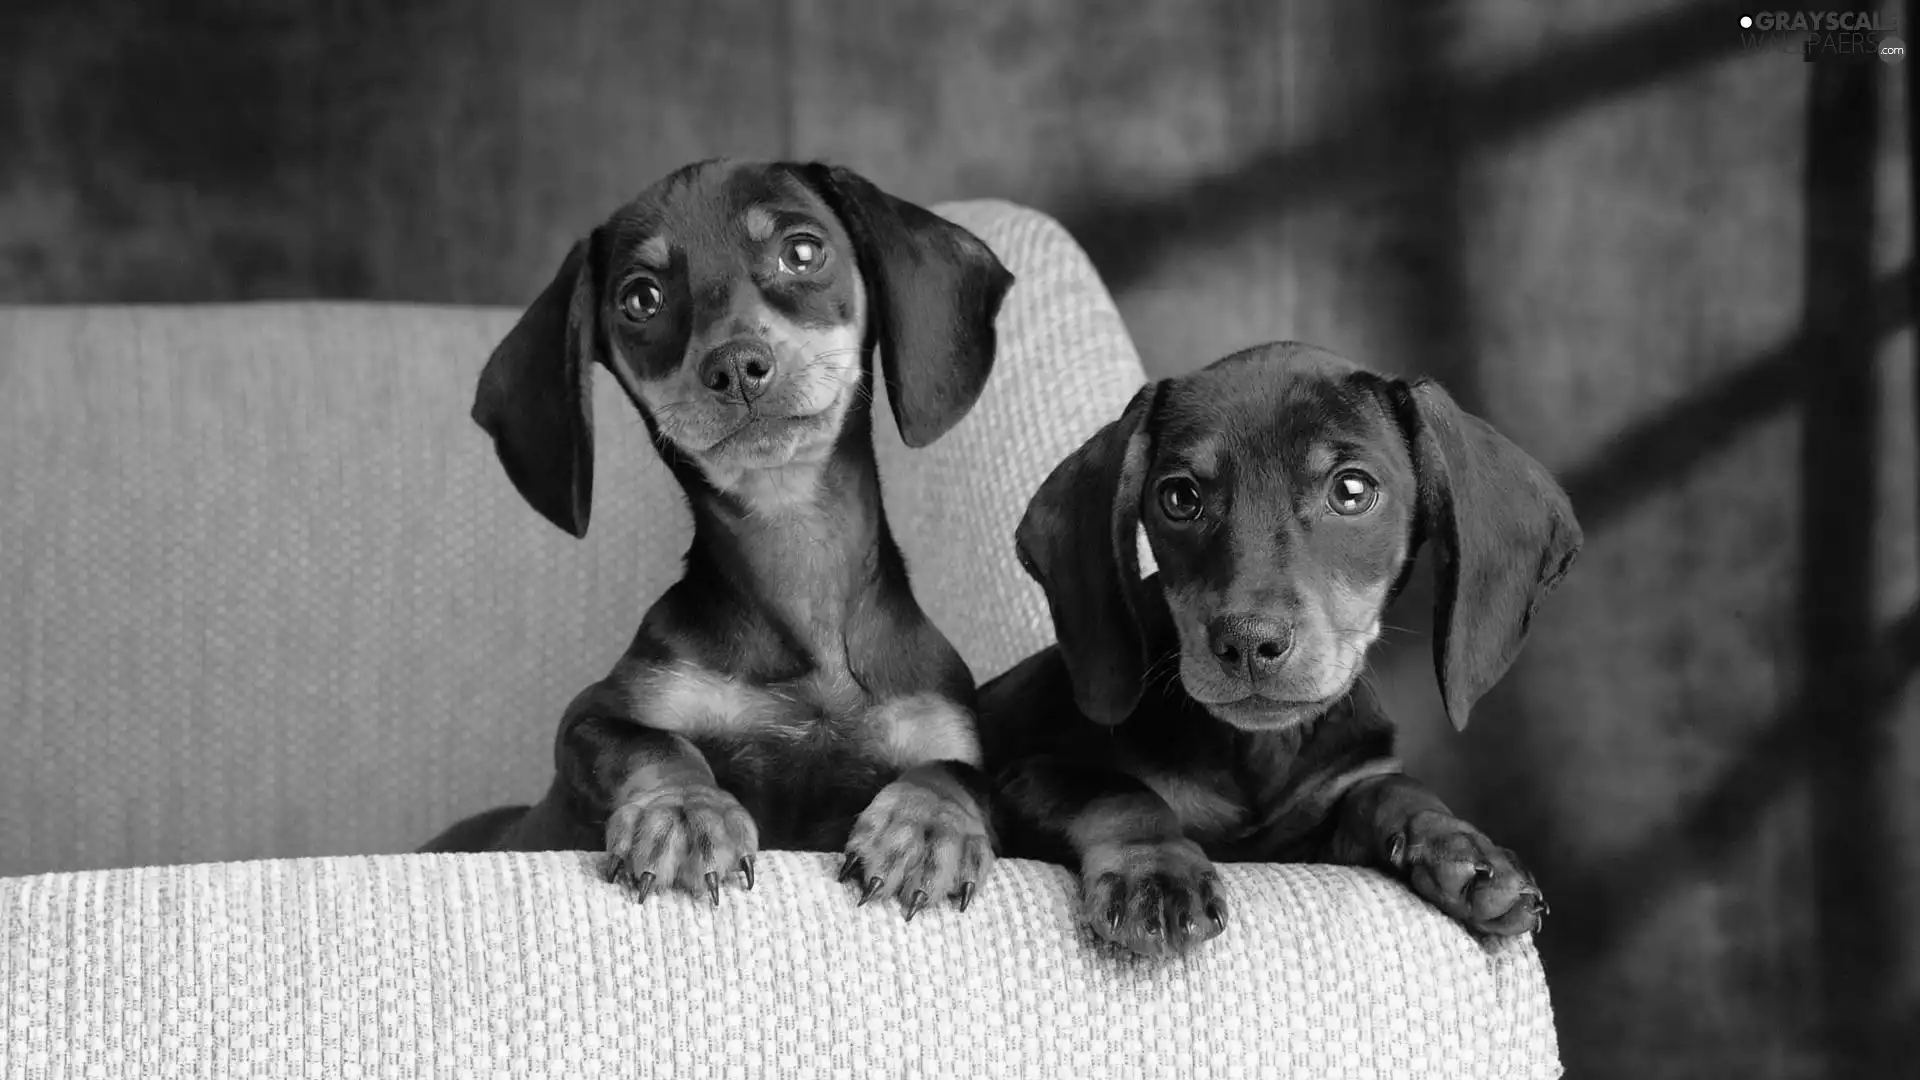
1214 710
787 691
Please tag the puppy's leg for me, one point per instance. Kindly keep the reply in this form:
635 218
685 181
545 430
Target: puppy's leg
1145 886
666 819
927 834
1396 823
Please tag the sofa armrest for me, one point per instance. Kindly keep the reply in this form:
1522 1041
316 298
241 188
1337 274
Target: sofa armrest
529 965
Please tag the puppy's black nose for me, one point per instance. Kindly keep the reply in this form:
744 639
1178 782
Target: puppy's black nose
1249 643
738 370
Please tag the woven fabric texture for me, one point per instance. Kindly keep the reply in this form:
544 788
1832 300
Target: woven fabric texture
529 966
267 592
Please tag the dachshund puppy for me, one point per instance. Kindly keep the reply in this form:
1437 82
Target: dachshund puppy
1213 711
787 691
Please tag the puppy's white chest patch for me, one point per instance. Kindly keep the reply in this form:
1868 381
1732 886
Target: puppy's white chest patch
919 728
1206 806
689 700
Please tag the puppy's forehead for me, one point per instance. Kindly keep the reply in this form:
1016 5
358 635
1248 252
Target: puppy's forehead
1291 419
716 205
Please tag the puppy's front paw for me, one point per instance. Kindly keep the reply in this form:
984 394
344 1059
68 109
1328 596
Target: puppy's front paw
1454 867
1154 897
687 836
922 838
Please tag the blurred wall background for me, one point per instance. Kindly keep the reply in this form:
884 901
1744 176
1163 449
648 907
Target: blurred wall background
1676 270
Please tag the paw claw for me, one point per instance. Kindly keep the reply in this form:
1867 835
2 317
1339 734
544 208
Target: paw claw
670 835
746 870
1145 896
615 864
920 838
1457 869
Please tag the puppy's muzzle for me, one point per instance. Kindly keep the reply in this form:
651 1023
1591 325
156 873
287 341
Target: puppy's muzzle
738 371
1249 646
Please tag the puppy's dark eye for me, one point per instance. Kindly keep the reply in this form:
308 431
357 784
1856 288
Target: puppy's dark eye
641 299
1353 493
1179 499
802 255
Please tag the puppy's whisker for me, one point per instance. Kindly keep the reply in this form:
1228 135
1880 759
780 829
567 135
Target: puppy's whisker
1363 628
1162 671
838 377
844 378
1367 680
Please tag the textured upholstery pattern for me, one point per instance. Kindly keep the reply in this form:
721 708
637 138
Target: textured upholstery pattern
528 966
268 593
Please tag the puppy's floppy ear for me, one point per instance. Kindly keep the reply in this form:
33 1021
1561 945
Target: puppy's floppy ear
933 289
1078 540
1505 535
534 396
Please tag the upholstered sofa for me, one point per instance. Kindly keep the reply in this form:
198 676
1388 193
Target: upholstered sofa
271 615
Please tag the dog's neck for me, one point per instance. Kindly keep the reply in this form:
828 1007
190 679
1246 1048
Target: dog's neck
808 540
767 517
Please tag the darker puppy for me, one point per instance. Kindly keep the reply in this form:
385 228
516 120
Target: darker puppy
1213 710
787 691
